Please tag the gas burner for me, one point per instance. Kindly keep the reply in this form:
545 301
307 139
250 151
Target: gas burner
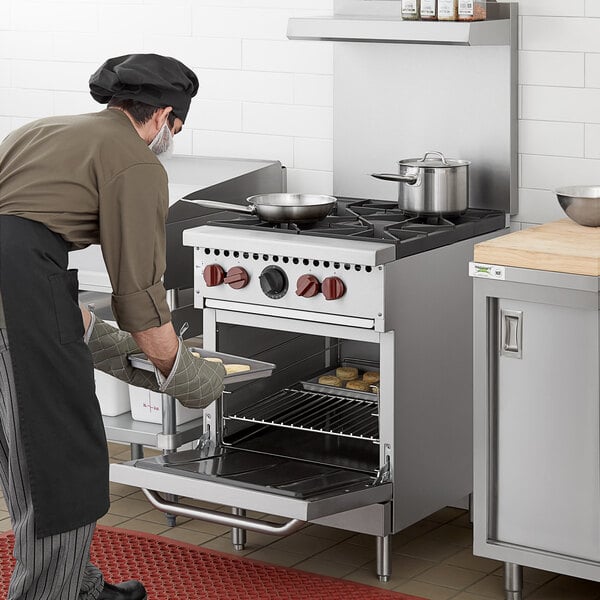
378 210
368 208
344 225
430 221
425 225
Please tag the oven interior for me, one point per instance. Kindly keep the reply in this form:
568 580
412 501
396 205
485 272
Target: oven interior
275 434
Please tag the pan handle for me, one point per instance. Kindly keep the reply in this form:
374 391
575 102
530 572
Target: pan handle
394 177
223 205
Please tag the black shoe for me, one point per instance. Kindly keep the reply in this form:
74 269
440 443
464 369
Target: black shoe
129 590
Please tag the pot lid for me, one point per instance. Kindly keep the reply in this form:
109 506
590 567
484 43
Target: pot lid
434 159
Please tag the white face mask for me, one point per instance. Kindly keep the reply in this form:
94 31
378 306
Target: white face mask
163 142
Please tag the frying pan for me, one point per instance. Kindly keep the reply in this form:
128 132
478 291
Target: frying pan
279 208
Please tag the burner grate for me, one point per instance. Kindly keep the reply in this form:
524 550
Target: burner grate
383 221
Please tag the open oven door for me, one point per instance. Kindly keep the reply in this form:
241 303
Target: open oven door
295 489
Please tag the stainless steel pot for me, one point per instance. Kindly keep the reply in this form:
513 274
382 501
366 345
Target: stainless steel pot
432 185
279 208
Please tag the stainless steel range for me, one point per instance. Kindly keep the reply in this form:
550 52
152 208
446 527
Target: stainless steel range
368 287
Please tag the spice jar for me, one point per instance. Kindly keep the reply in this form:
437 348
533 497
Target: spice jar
410 9
472 10
428 10
447 10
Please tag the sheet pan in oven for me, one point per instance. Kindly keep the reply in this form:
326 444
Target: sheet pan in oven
258 368
313 384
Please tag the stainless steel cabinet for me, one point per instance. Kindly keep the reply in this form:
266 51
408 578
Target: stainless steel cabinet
537 423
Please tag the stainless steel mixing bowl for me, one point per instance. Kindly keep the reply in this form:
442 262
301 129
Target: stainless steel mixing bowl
581 203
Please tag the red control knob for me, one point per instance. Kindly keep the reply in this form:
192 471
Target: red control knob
237 278
213 275
333 288
307 286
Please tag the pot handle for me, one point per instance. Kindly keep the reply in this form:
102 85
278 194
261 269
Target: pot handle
438 154
223 205
394 177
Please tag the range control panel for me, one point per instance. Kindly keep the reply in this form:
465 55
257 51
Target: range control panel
289 282
271 268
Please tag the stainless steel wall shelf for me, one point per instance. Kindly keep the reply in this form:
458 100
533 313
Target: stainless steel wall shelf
380 21
496 32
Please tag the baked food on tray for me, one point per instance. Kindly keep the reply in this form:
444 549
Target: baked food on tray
359 385
330 380
346 373
371 377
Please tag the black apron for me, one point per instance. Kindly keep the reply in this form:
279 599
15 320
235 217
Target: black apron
61 426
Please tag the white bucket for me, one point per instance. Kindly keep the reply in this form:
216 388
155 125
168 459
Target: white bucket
147 406
113 395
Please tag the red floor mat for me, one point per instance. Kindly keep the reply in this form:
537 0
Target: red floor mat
173 570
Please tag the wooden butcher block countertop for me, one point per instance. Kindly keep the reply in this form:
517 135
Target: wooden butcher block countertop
562 246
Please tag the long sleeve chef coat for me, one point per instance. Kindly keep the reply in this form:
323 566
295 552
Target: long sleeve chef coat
92 179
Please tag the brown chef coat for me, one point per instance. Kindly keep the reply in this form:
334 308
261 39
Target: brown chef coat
92 179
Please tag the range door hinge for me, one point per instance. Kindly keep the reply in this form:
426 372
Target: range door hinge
203 441
384 473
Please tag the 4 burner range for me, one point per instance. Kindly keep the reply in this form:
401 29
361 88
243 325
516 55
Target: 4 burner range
378 220
369 287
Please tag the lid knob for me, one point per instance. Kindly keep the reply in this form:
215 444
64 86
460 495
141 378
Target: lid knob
436 153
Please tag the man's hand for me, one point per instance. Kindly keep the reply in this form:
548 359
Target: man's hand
160 345
110 349
195 382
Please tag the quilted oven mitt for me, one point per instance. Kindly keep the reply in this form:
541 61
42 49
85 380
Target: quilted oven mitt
195 382
110 348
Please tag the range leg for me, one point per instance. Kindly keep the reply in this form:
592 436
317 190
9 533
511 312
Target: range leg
513 581
238 536
137 451
384 557
169 424
471 508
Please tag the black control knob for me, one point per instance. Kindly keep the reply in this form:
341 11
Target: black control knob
273 282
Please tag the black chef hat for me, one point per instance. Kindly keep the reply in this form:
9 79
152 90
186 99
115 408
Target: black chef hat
150 78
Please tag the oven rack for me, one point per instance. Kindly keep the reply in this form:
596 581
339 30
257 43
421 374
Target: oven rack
316 412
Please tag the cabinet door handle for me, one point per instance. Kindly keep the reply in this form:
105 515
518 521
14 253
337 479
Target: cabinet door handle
511 333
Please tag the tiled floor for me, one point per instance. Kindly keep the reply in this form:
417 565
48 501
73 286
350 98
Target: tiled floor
432 558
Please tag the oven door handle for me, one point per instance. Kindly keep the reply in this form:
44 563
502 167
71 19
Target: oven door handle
220 518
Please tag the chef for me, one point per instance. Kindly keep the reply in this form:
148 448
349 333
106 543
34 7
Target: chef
67 182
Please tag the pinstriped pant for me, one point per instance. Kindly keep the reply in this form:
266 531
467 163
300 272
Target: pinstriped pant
56 567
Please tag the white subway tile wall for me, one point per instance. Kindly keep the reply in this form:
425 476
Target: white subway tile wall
5 126
592 141
4 15
263 96
4 73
